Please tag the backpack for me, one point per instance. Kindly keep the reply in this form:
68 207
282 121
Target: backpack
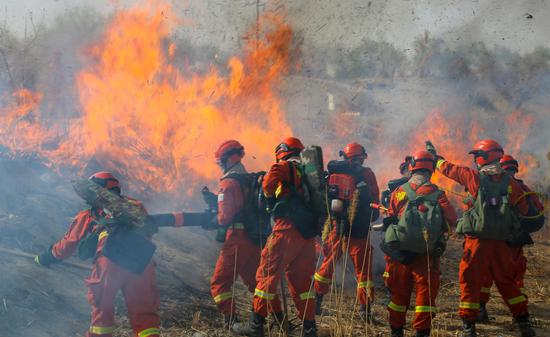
420 227
348 194
491 217
299 208
534 221
254 216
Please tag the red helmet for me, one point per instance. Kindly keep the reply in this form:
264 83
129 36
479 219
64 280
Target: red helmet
106 180
290 146
509 163
421 160
487 151
229 153
354 150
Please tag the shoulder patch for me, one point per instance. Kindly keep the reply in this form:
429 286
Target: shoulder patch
220 197
399 196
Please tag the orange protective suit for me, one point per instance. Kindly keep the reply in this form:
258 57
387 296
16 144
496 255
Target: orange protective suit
286 251
238 256
107 278
483 259
422 275
359 249
520 261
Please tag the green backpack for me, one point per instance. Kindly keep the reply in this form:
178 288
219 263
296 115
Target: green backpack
492 217
417 231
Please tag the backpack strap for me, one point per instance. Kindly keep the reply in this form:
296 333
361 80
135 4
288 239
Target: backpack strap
411 194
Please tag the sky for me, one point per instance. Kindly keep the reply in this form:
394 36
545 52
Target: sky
222 22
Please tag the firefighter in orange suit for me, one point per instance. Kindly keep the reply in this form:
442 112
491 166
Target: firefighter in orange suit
354 240
511 166
419 272
239 255
494 195
290 248
107 278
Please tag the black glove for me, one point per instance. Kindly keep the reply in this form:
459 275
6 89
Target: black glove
210 199
270 203
45 259
431 149
212 223
387 221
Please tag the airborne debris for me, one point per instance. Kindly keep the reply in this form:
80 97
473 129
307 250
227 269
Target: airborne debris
528 16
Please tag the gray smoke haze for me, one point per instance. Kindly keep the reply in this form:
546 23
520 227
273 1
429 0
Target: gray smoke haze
494 22
369 74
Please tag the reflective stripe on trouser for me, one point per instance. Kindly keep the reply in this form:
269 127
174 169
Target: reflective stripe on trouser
286 251
360 257
519 275
149 332
238 257
483 260
101 330
402 281
139 292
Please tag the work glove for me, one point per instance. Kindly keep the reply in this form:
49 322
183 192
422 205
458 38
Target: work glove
431 149
270 203
387 221
46 259
212 223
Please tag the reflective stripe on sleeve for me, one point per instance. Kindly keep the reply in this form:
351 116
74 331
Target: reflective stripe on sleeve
278 191
223 297
397 307
321 278
237 225
264 295
103 234
149 332
516 300
386 274
307 295
101 330
425 308
439 162
468 305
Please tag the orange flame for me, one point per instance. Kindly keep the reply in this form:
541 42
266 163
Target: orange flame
155 124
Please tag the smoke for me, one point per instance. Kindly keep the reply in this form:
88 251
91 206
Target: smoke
360 71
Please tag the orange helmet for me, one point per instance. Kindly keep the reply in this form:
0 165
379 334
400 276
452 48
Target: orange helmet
421 160
354 151
106 180
290 146
509 163
487 151
229 153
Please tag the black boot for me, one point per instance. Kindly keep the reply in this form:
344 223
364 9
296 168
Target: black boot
423 333
525 326
397 332
469 328
365 312
318 304
483 316
281 323
310 329
229 320
253 328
